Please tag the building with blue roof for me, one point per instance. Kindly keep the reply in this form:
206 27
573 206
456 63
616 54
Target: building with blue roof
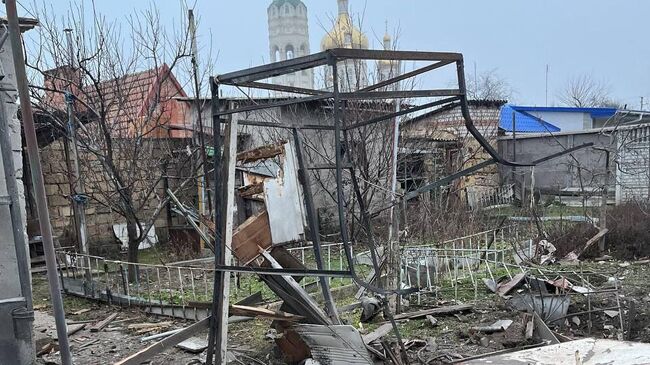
535 119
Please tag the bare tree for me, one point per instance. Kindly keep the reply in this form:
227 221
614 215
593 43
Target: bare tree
121 78
489 85
584 91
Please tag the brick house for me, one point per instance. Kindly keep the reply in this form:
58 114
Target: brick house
437 144
143 111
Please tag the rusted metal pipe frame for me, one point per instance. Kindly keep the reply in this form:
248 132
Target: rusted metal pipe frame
370 95
323 58
331 58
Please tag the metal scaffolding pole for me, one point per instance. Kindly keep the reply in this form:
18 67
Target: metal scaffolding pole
37 179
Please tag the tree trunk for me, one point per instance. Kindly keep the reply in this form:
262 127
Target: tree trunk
134 242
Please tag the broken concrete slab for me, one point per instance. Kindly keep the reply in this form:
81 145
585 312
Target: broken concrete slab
194 345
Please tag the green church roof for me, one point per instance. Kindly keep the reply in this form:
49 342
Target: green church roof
282 2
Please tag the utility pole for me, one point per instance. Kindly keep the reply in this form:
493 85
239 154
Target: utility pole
546 87
37 179
602 223
641 103
204 193
77 196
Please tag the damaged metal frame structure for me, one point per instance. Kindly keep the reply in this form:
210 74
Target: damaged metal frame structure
224 166
250 78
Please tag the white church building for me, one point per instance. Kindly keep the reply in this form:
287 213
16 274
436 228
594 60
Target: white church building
289 37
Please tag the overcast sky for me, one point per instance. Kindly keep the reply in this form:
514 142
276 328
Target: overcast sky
605 39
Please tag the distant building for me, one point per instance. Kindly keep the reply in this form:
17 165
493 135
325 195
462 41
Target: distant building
388 69
140 109
353 74
578 177
289 38
535 119
437 144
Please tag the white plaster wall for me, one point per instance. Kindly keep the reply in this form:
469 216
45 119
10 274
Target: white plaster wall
567 122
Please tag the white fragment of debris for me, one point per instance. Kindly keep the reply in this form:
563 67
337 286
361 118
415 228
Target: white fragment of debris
575 321
611 314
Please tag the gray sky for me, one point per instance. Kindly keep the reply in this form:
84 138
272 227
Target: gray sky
518 38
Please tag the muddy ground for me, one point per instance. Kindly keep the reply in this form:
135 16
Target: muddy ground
450 339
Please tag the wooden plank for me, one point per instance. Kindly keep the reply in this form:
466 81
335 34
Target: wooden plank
227 227
242 310
435 311
260 153
254 232
250 190
160 346
380 332
103 323
592 240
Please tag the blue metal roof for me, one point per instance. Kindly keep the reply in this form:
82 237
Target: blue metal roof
594 112
524 122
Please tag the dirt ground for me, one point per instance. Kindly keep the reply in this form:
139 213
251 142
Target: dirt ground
450 339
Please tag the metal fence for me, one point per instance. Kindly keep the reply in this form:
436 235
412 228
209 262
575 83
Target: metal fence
440 268
177 290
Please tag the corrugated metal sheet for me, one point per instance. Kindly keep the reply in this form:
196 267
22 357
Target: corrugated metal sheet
334 345
524 122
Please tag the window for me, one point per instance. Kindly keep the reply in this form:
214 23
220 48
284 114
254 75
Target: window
289 52
276 54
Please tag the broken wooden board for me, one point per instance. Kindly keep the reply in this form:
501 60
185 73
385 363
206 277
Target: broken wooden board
160 346
137 326
261 153
380 332
251 190
452 309
103 323
505 288
580 250
255 232
71 330
241 310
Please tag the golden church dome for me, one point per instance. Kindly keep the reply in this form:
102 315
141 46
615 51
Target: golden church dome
344 34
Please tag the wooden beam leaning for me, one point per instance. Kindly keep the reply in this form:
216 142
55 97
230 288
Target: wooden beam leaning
221 315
